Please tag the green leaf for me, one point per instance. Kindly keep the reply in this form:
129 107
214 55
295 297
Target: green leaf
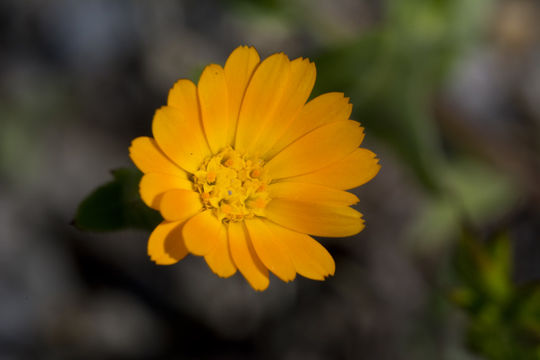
485 268
117 205
473 191
393 73
503 317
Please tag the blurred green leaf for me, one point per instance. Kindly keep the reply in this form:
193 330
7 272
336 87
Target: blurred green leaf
529 310
393 73
263 4
486 268
117 205
472 190
503 317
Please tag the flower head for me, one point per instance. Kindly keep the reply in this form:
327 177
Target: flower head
243 170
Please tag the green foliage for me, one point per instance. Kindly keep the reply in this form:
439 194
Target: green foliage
117 205
392 73
264 4
473 190
503 318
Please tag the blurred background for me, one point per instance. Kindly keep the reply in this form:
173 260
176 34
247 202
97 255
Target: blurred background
448 265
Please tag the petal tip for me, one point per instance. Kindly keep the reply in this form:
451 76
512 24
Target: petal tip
260 288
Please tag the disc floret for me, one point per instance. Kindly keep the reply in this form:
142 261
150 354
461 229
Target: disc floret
233 185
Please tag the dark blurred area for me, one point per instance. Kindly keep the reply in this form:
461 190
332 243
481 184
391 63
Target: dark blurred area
449 93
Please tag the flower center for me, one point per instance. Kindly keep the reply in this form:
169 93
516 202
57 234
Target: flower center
234 186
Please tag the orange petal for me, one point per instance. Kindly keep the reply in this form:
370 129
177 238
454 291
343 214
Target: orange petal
310 259
178 130
315 219
306 192
179 204
214 101
148 157
238 71
245 258
219 258
166 245
153 185
272 252
324 109
295 95
261 100
183 96
317 149
202 232
354 170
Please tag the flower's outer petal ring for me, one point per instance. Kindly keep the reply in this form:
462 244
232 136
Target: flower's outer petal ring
261 100
183 96
315 219
309 258
245 258
354 170
201 233
296 92
179 204
214 101
272 252
324 109
166 245
149 158
178 129
306 192
153 185
317 149
219 258
238 71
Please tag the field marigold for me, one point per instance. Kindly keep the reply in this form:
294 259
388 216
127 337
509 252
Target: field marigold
243 170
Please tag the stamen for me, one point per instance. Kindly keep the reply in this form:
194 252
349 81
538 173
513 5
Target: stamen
255 173
236 186
226 208
211 177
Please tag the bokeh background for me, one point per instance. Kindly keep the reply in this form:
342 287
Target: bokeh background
449 94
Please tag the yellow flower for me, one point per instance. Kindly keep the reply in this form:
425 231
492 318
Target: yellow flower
243 170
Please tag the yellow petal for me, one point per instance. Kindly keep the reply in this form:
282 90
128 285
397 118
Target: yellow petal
245 258
352 171
148 157
219 259
238 71
201 233
310 259
324 109
295 95
317 149
179 204
261 100
306 192
214 101
153 185
272 252
179 134
183 96
166 245
315 219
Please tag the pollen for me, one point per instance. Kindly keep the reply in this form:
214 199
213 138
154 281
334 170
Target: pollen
211 177
233 185
228 162
255 173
